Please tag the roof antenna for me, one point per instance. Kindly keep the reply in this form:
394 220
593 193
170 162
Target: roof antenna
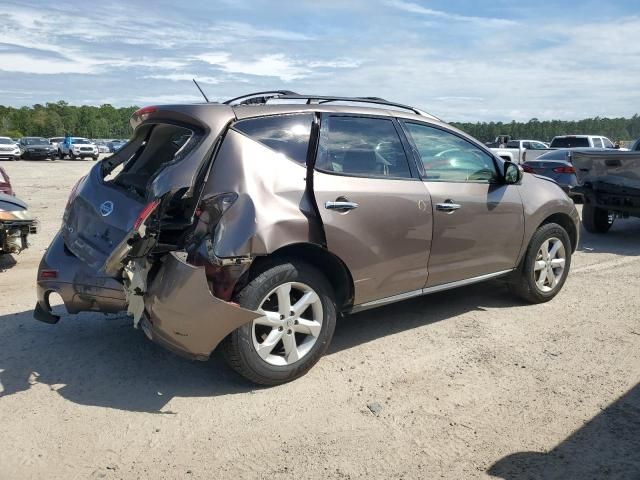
205 97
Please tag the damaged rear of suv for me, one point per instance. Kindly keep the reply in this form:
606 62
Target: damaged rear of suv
253 225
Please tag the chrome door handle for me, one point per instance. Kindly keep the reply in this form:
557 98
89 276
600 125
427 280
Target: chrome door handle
340 205
448 207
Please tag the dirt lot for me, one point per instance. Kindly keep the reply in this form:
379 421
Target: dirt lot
464 384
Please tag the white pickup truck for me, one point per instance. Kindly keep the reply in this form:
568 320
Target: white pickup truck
582 141
518 151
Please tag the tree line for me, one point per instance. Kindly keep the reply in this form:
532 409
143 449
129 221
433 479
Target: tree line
616 129
60 118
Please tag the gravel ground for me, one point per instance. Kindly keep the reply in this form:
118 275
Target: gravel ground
463 384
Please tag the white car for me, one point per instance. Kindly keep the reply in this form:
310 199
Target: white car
9 149
77 147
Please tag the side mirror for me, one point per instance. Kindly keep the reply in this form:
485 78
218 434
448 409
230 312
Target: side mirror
512 173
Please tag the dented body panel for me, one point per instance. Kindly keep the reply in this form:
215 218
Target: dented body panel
273 208
182 313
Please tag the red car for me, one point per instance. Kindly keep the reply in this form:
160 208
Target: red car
5 183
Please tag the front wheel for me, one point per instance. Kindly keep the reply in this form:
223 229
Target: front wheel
596 220
545 266
72 156
295 329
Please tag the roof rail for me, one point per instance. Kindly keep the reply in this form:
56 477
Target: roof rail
372 100
264 97
259 97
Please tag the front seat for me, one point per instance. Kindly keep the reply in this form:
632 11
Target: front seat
360 159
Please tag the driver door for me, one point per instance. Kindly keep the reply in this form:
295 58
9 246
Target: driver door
478 220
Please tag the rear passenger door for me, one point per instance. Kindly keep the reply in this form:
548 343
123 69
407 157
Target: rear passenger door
375 209
478 221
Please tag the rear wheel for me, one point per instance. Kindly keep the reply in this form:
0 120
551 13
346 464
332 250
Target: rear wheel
72 155
596 220
60 155
295 329
545 266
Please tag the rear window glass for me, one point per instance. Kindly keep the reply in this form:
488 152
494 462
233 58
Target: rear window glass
570 142
555 155
153 146
286 134
597 143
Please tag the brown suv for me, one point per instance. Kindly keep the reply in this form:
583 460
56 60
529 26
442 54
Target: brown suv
255 223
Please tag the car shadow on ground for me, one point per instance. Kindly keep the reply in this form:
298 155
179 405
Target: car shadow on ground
622 239
95 360
607 446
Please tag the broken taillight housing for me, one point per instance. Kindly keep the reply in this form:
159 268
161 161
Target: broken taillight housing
144 214
216 206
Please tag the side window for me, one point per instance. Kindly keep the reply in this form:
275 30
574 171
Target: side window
287 134
597 142
607 143
449 158
361 146
538 146
526 145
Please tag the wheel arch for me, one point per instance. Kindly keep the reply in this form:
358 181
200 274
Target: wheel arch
329 264
566 222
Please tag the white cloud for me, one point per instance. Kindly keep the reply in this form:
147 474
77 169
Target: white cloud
419 9
185 77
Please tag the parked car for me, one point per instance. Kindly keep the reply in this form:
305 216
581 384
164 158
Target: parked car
77 147
8 149
522 150
609 182
16 224
102 147
581 141
555 164
303 212
55 141
5 183
115 145
36 148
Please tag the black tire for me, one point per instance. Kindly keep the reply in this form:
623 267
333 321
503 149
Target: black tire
238 348
95 158
72 156
61 155
522 281
595 220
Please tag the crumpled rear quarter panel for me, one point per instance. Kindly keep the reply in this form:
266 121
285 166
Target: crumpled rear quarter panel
273 208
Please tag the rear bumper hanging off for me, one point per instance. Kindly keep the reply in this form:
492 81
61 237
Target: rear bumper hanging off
183 315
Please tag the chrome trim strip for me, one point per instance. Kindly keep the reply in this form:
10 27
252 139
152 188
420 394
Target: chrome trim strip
428 290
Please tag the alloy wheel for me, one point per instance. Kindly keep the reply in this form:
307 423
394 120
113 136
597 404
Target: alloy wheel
550 263
290 324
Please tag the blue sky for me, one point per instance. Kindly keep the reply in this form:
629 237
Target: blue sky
461 60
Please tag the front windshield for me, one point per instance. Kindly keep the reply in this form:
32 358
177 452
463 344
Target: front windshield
37 141
6 141
77 141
